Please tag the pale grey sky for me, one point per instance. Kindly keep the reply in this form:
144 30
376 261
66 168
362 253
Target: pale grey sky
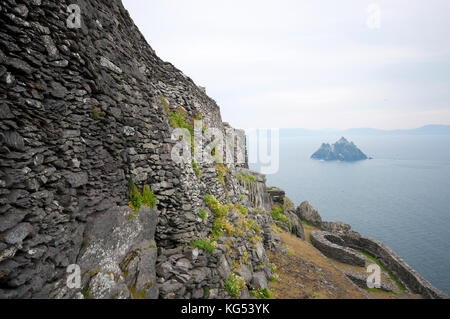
309 64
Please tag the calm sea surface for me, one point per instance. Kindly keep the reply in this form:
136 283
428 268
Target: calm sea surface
401 197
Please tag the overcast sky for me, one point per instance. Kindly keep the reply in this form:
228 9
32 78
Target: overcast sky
309 64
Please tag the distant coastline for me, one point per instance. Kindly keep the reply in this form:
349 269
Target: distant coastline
424 130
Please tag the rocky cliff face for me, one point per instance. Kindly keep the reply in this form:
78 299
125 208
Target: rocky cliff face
84 112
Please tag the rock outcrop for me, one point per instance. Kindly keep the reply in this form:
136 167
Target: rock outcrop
117 257
289 221
308 214
342 150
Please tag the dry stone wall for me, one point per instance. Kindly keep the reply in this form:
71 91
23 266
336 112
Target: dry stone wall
83 112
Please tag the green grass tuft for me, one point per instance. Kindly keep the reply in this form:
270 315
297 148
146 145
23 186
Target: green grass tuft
148 198
278 214
197 171
261 293
204 244
164 103
234 285
203 214
136 199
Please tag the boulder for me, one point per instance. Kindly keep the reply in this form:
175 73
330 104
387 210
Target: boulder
339 228
277 196
245 273
296 225
259 281
307 213
17 234
119 255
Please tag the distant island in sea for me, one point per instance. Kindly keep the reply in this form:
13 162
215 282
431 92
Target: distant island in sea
342 150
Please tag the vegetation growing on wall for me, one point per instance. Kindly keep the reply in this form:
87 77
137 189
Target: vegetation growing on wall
234 285
222 171
247 179
278 214
137 199
196 168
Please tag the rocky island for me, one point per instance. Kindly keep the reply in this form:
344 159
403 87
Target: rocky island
342 150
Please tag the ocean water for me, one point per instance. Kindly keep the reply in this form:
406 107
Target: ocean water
401 197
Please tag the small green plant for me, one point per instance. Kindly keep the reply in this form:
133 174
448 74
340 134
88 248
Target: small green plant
204 244
316 295
219 212
206 292
273 268
288 251
135 198
137 294
287 204
178 120
196 168
261 293
164 103
85 293
241 209
278 214
255 227
304 222
148 198
222 173
245 257
203 214
247 179
234 285
382 291
97 113
131 217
